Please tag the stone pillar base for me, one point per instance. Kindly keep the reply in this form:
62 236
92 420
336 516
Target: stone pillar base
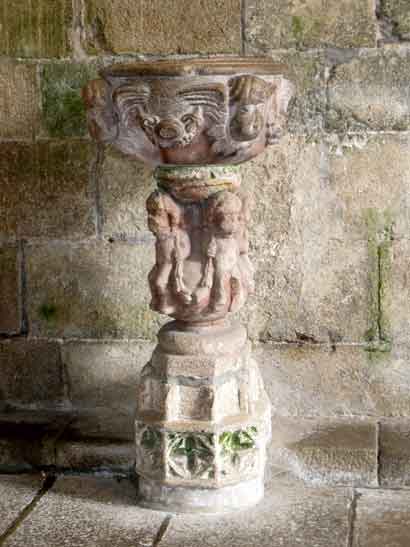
180 499
203 421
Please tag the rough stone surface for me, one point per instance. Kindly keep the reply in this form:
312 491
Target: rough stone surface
279 24
88 511
62 105
102 423
39 28
19 100
160 27
370 92
93 454
394 453
31 372
308 72
16 492
10 304
104 375
396 290
397 14
45 190
311 282
326 451
286 517
27 438
316 381
382 518
90 290
124 187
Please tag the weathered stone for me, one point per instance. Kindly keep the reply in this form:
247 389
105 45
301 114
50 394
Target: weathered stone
280 24
93 454
382 518
395 290
31 372
62 106
320 381
90 290
88 511
164 27
366 196
19 100
17 491
46 190
287 517
311 281
394 460
10 303
104 374
39 28
307 71
326 451
124 187
396 13
101 423
27 438
370 92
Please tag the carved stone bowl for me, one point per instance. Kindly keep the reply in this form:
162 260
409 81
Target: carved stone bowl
189 112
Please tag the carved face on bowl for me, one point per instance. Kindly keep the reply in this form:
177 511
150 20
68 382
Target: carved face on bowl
172 131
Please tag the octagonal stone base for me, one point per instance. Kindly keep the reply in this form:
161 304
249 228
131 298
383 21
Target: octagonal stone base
203 421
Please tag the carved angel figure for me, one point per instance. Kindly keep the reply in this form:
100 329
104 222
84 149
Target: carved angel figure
173 246
228 271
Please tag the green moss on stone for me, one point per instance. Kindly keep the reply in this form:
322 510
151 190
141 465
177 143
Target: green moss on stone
63 109
48 312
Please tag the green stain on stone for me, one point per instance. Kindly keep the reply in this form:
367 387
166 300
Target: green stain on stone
63 109
297 27
48 312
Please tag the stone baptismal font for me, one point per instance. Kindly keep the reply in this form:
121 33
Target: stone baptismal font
203 416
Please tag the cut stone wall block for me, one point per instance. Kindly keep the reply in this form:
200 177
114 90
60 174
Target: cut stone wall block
95 454
10 301
19 100
158 26
312 381
279 24
382 518
90 290
46 191
326 451
104 374
63 111
31 373
370 92
396 14
394 453
124 187
39 28
313 283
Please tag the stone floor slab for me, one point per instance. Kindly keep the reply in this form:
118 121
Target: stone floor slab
382 519
288 517
88 512
16 492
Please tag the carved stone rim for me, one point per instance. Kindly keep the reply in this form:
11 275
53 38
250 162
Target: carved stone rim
194 66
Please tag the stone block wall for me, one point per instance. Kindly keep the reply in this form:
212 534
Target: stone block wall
330 233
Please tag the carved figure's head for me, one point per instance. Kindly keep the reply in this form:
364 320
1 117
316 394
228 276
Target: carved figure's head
224 213
248 98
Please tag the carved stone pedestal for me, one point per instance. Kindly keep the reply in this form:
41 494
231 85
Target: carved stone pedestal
203 421
203 417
